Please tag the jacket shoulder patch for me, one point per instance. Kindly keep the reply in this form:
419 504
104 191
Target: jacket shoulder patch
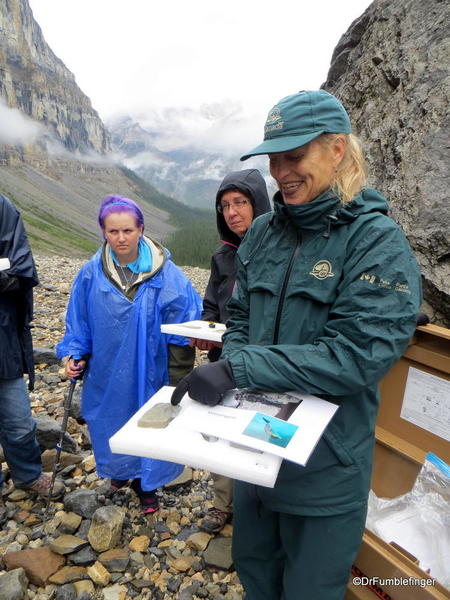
322 269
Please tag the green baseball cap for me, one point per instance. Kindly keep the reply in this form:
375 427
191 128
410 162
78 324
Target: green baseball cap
297 119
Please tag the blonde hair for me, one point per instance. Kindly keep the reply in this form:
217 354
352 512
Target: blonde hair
351 174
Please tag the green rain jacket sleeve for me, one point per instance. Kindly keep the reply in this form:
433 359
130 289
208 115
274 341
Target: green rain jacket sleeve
369 324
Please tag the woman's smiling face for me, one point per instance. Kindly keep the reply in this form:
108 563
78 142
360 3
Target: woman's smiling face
306 172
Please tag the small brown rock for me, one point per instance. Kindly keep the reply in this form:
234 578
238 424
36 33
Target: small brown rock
184 563
139 544
68 575
198 541
115 560
65 544
99 574
84 586
70 522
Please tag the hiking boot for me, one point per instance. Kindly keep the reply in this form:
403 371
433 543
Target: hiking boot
118 484
41 487
214 520
3 511
149 500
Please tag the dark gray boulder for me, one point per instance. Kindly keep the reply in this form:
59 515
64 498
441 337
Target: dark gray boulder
390 70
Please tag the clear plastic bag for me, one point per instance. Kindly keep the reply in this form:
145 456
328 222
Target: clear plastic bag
419 521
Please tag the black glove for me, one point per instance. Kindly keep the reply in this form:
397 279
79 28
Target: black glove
206 384
422 319
9 283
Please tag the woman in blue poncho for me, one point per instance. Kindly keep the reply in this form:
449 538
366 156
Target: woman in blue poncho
118 302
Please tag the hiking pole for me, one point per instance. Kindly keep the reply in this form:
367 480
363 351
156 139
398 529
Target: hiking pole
56 465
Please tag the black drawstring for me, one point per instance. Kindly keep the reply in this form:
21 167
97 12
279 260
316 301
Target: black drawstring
331 219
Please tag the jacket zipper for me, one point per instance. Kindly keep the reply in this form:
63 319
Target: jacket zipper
283 290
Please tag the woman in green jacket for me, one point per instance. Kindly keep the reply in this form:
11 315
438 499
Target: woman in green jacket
325 303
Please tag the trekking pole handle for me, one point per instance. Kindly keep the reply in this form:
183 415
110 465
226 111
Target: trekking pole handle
80 376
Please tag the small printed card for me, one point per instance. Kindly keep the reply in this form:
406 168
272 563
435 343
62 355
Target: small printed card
259 429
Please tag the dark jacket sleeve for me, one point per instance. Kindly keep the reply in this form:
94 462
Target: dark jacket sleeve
181 362
368 329
211 311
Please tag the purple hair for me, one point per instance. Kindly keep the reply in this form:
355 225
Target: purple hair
114 204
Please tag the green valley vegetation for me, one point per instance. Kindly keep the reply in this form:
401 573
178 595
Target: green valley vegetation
195 238
60 217
48 233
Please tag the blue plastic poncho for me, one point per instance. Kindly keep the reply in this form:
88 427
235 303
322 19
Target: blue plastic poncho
128 356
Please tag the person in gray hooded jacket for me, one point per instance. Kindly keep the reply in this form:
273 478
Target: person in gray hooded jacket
241 197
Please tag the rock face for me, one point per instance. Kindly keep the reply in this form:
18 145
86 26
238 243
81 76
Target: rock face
390 70
35 81
58 176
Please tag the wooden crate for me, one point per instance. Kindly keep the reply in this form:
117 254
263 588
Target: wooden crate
401 447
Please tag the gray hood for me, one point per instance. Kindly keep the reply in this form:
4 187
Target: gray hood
252 184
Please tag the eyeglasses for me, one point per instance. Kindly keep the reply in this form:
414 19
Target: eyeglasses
237 205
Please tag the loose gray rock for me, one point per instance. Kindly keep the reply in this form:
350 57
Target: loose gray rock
83 558
75 404
218 553
13 585
44 355
48 432
82 502
66 592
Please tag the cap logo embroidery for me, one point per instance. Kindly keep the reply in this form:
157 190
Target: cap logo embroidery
274 120
322 270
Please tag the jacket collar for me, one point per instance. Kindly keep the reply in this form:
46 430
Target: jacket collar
311 216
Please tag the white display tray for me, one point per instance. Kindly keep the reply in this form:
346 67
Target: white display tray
196 329
176 443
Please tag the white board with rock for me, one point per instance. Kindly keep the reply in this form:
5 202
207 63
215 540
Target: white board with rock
176 443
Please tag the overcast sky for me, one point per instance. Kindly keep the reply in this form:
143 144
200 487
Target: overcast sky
221 58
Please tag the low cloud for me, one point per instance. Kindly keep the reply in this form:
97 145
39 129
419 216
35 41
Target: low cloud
18 129
147 158
223 127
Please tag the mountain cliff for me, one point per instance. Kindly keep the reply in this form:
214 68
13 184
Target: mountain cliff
390 69
54 149
35 81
